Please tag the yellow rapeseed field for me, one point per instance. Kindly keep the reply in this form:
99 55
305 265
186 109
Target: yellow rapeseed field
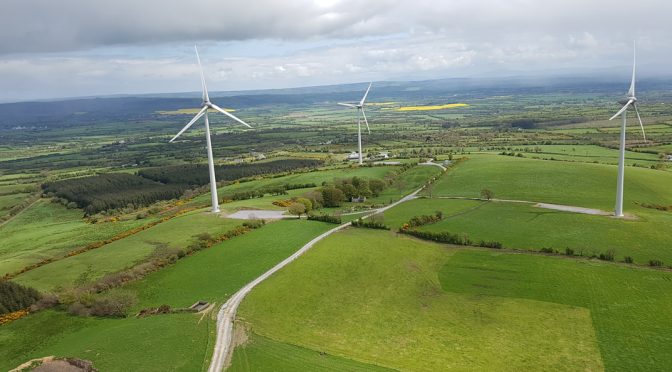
189 111
428 108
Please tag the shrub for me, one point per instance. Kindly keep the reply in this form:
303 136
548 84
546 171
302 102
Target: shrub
491 244
569 251
114 304
369 224
655 263
628 259
325 218
487 194
254 224
417 221
47 301
546 250
442 237
607 256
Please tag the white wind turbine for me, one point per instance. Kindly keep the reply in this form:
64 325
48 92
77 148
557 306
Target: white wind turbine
629 101
360 108
204 112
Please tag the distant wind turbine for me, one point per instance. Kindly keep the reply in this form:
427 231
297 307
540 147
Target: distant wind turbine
204 112
360 108
629 101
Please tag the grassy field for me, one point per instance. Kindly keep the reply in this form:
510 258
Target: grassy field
629 307
48 230
407 182
579 184
150 344
589 154
263 354
376 298
136 344
523 226
89 266
215 274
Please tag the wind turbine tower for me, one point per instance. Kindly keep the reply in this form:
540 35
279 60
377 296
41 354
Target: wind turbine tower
630 101
205 105
360 109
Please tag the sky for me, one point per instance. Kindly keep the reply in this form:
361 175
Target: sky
71 48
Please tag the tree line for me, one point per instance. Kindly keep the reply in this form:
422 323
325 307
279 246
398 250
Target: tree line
197 174
111 191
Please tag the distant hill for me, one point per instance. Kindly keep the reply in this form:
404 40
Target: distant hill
71 112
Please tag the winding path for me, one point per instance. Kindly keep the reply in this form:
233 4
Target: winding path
227 313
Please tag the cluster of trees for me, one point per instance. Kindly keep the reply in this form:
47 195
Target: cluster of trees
110 191
15 297
197 174
346 189
114 304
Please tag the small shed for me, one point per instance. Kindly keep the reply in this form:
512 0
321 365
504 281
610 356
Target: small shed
199 306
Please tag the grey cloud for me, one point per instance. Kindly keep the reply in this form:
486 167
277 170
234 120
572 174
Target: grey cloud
47 25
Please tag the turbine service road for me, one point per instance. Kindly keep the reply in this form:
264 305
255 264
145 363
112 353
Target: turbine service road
227 313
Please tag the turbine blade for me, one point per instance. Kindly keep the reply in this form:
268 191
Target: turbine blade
641 125
631 91
346 104
203 85
229 115
365 94
366 121
198 116
625 107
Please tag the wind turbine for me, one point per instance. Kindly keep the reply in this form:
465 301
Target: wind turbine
629 101
360 108
205 105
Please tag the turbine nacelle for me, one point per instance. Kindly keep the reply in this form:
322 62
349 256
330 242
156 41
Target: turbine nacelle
625 100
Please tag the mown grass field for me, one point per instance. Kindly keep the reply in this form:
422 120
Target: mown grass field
89 266
263 354
376 298
588 154
48 230
180 341
578 184
523 226
215 274
629 307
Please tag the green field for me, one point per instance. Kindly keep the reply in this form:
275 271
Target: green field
215 274
578 184
89 266
316 177
382 303
523 226
589 154
48 230
137 344
263 354
629 307
150 344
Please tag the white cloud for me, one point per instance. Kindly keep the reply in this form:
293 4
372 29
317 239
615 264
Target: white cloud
76 47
